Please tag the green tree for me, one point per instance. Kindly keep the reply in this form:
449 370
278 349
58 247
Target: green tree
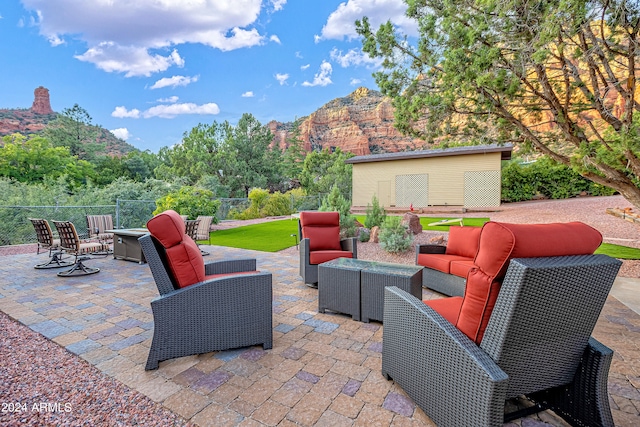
336 202
250 160
294 155
190 201
32 159
73 129
559 76
322 170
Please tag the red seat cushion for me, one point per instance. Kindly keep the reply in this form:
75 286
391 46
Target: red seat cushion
500 242
463 241
440 262
182 253
449 308
318 257
461 268
322 229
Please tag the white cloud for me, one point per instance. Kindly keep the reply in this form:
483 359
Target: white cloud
282 78
278 4
174 81
172 110
169 100
355 82
248 94
322 77
341 22
304 67
133 61
168 111
275 38
130 37
121 112
122 133
354 57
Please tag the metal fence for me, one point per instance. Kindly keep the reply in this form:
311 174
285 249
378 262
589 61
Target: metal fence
16 229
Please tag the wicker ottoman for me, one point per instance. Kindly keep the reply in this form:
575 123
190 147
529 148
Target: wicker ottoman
356 287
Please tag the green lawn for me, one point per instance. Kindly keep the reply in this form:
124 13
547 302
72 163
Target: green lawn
274 236
617 251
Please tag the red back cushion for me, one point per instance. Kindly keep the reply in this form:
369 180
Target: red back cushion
500 242
182 253
322 229
463 241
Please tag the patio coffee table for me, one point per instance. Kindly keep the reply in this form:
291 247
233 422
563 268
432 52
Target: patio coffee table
356 287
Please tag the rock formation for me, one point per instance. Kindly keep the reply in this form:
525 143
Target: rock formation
41 104
360 123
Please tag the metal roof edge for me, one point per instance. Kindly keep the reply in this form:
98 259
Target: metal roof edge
505 149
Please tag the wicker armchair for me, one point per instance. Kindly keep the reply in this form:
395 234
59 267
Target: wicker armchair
537 343
47 241
202 307
319 234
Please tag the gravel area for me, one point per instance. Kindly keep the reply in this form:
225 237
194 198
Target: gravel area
45 385
36 371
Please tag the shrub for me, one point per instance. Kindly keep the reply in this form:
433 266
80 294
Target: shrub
263 205
190 201
335 202
375 214
394 236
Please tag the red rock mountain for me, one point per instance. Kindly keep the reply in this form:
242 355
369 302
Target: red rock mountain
36 118
360 123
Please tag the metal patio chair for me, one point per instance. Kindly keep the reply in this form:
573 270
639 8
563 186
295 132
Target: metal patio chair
71 244
48 242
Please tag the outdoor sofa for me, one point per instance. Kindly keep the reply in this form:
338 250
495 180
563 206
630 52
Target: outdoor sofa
446 267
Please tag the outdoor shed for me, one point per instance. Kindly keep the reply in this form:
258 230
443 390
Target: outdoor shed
461 176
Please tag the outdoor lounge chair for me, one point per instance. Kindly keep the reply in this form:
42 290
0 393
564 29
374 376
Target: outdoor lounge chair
523 328
320 242
97 226
71 244
47 241
202 307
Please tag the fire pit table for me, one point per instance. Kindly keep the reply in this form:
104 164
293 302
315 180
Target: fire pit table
356 287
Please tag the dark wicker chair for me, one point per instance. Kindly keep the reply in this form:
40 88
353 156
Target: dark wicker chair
71 244
537 344
315 230
223 311
48 242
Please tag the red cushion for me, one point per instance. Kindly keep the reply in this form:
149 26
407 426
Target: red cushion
183 255
318 257
461 268
440 262
500 242
322 229
449 308
463 241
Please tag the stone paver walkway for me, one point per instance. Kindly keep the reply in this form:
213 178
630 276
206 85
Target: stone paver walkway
324 369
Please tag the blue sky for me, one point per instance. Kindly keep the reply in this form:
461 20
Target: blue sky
150 70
